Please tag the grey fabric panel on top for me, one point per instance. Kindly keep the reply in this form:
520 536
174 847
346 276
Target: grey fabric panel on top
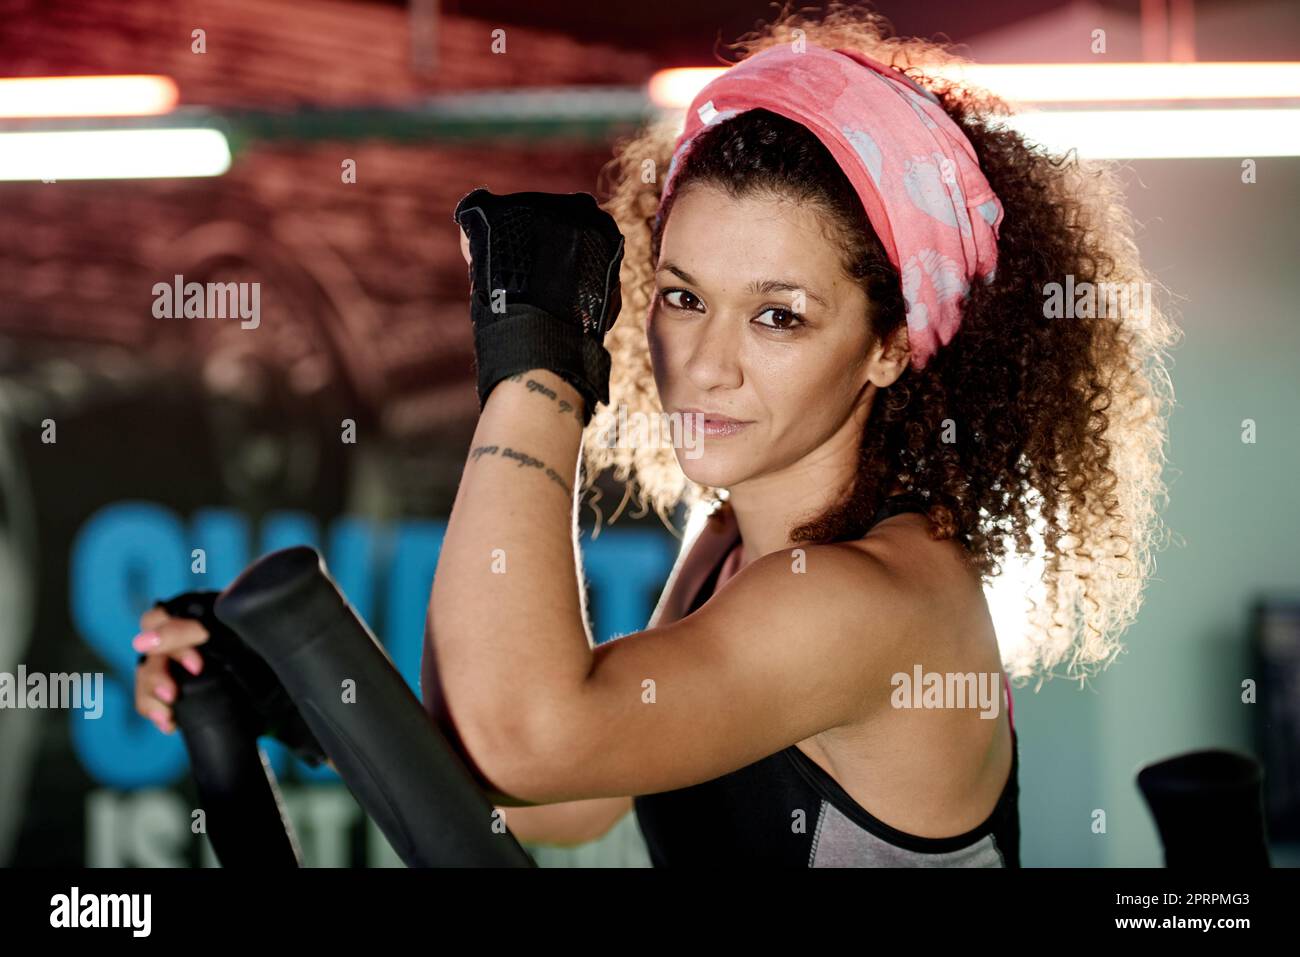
838 842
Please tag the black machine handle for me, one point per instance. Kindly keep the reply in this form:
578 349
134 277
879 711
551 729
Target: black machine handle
244 814
389 753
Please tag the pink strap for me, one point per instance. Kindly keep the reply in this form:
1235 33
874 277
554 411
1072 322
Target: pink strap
1011 705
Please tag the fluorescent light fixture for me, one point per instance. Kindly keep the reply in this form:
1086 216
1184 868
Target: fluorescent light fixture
113 154
674 89
1163 134
47 96
1064 82
1129 82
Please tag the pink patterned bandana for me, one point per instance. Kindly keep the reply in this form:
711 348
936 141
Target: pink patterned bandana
912 166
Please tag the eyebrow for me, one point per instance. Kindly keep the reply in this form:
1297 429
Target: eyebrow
757 287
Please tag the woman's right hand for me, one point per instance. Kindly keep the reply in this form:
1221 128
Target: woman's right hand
162 637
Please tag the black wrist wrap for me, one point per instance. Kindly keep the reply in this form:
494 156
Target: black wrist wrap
527 338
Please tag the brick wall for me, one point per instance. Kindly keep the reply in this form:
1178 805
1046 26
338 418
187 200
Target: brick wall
362 285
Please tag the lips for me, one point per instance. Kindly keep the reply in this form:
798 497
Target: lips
716 428
714 416
716 424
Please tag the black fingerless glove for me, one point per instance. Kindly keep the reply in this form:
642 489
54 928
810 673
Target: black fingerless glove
246 677
545 287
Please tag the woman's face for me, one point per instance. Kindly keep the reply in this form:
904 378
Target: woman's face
754 319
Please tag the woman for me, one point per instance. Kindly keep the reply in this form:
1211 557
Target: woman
887 408
882 465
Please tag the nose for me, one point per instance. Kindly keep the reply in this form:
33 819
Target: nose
713 362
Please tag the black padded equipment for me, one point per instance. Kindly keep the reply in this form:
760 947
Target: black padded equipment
389 753
1209 809
245 676
220 714
244 815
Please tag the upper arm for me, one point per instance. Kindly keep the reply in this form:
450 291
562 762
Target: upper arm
567 824
787 649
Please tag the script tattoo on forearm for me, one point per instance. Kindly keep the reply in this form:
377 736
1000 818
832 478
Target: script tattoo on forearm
522 460
562 406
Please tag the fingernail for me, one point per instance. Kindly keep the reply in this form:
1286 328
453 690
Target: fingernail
193 664
158 717
166 693
146 641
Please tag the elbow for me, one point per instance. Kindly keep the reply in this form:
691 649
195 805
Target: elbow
520 745
488 748
511 757
525 756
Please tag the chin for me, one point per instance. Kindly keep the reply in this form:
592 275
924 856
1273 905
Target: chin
712 468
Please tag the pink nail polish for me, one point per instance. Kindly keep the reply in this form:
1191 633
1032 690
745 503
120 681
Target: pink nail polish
146 641
193 664
166 693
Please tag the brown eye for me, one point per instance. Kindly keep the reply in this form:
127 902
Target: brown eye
687 298
789 323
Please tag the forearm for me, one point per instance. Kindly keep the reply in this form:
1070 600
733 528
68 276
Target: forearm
506 611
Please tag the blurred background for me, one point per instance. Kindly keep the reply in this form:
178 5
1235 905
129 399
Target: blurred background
316 148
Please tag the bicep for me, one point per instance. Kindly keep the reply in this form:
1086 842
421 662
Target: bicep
773 658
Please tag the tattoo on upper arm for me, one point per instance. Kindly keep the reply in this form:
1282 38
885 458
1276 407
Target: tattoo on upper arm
562 406
523 460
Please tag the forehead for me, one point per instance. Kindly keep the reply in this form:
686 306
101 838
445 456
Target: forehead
710 233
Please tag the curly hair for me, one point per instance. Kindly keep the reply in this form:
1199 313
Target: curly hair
1024 423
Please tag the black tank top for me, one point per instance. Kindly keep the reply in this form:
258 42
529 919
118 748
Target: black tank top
752 815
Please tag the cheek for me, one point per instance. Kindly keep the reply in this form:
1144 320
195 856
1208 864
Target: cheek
785 377
660 345
805 390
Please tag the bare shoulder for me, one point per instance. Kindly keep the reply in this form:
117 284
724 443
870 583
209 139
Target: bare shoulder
822 583
937 608
830 619
895 577
858 606
931 570
938 595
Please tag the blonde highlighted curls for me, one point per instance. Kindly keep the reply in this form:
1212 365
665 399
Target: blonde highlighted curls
1061 424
